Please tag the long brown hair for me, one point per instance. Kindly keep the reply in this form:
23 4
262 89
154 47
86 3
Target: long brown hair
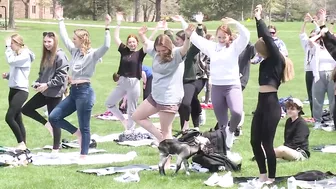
226 29
84 35
165 41
48 56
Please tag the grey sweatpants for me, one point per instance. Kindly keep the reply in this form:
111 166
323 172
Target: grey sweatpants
131 88
223 98
324 85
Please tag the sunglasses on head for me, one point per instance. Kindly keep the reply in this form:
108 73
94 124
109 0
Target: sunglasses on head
49 34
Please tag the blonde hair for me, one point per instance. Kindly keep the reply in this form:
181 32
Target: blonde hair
84 35
16 38
51 54
165 41
261 48
288 73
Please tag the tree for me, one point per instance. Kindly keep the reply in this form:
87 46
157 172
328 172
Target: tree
147 8
26 4
11 21
157 10
136 10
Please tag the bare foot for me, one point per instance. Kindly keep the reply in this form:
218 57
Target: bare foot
185 126
78 134
263 178
50 129
21 146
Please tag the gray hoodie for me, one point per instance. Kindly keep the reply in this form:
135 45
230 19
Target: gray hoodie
19 68
55 76
83 66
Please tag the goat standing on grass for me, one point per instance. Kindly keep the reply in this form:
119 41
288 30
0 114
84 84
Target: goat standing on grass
183 151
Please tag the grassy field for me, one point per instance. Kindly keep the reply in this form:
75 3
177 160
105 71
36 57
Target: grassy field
67 177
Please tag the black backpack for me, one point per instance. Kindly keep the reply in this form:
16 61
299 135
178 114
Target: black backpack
188 135
215 157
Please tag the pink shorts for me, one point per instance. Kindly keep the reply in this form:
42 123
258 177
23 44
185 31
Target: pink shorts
163 108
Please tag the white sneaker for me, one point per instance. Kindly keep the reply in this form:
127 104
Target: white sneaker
197 167
128 177
226 180
317 125
213 180
202 119
229 137
329 128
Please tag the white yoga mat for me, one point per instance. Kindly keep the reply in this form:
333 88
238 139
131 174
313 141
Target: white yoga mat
114 118
144 142
73 158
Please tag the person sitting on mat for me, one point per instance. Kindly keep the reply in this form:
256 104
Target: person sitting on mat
295 147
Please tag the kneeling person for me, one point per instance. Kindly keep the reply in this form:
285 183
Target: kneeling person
296 134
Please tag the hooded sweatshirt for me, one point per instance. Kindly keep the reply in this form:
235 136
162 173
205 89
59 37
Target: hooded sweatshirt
19 68
55 76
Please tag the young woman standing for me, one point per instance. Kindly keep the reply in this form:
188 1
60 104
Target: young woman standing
274 69
130 71
19 59
82 67
50 85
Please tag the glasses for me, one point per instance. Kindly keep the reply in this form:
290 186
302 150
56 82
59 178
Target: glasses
49 34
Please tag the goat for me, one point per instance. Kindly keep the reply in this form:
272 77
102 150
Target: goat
183 150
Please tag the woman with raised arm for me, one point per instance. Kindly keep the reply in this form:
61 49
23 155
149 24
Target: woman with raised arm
191 86
82 96
322 68
19 59
309 57
50 85
274 69
167 86
226 90
130 72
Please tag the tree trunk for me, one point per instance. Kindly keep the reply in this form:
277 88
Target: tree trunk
11 21
54 7
108 7
252 10
26 4
94 12
157 10
136 10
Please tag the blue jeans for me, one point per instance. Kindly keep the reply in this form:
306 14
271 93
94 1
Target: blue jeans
81 99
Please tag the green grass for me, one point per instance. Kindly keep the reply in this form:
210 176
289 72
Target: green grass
67 177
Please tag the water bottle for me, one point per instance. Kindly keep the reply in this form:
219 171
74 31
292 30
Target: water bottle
291 183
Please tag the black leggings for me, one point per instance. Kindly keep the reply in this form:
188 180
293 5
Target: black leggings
309 85
38 101
190 104
16 98
264 123
334 114
148 89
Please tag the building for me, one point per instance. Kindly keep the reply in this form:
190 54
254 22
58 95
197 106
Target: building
31 9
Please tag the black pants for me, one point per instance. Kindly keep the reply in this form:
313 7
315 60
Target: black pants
16 98
190 104
38 101
309 86
148 89
334 114
264 123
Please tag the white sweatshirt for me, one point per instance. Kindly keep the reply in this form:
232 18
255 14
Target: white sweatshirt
308 50
323 61
224 68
